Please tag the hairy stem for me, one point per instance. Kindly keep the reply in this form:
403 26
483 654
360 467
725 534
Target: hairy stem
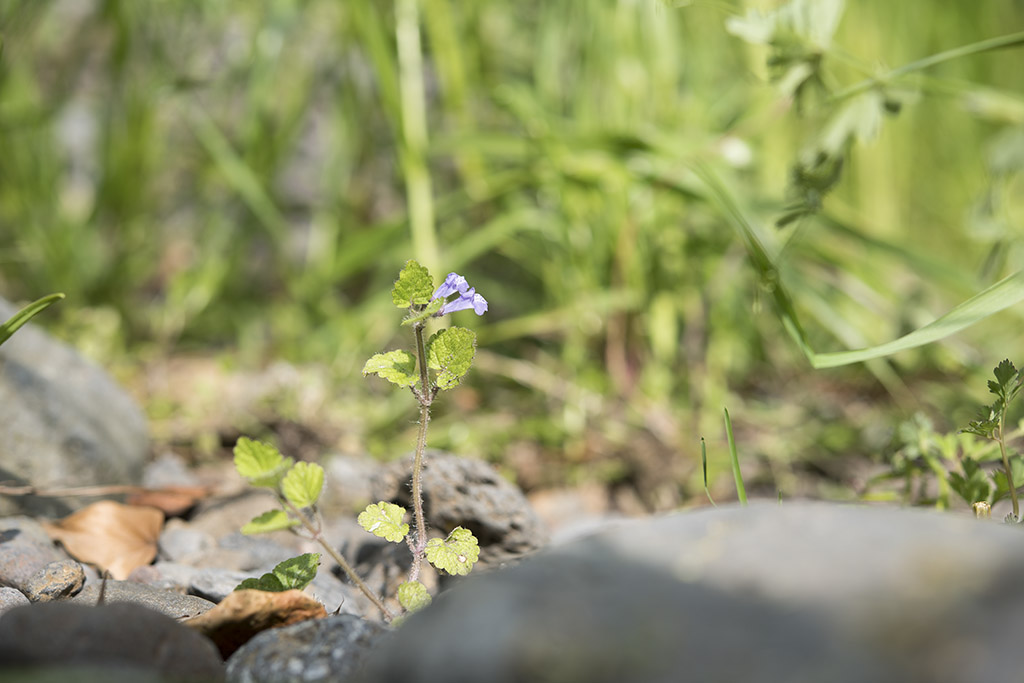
318 536
1006 466
425 398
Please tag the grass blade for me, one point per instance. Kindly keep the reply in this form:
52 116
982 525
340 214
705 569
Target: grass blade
741 492
26 314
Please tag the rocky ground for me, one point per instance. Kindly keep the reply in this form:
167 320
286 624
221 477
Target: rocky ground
565 590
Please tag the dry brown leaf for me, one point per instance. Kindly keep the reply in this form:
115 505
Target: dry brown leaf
173 500
114 537
244 613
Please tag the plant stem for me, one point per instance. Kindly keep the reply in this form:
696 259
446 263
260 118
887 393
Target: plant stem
1006 466
425 398
318 536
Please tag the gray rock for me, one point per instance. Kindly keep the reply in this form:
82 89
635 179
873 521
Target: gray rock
55 581
216 584
40 641
11 597
797 592
179 543
25 548
65 422
174 605
331 649
472 494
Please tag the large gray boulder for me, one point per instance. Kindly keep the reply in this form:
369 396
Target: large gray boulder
64 422
791 592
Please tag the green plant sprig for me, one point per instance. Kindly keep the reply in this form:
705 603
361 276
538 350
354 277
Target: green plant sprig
440 363
298 487
991 424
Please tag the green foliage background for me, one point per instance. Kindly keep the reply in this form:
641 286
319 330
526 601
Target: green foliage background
251 176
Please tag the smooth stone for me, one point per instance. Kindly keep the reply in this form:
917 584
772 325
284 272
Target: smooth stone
55 581
609 620
320 650
65 422
469 493
63 637
179 543
11 597
216 584
792 592
25 548
174 605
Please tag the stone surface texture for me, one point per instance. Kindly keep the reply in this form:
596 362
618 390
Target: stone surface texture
37 641
25 549
792 592
319 651
57 580
65 422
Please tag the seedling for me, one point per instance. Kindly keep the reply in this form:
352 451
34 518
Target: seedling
991 424
439 363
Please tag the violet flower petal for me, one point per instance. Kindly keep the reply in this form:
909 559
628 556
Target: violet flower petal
452 284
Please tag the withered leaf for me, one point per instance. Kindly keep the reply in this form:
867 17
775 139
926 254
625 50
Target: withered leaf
244 613
115 537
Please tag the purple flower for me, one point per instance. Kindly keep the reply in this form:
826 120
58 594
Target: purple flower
468 298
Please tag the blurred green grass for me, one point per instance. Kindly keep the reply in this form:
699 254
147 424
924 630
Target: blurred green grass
249 177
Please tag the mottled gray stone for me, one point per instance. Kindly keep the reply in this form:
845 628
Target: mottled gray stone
55 581
216 584
331 649
44 639
469 493
25 548
65 422
797 592
173 605
11 597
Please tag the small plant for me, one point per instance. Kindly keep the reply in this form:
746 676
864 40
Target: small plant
991 425
439 363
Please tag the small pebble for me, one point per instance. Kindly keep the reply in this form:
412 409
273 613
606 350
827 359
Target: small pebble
60 579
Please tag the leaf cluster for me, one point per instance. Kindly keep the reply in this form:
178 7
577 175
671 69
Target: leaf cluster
1005 387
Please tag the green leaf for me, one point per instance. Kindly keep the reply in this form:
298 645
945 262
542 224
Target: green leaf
413 596
273 520
303 484
451 352
432 308
260 463
973 486
26 314
456 554
384 520
397 367
293 574
414 286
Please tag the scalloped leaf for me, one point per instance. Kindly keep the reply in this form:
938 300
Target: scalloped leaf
260 463
303 484
456 554
272 520
397 367
385 521
293 574
451 353
414 286
413 596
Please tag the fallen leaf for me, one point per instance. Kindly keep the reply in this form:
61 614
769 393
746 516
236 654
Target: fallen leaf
115 537
173 500
244 613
